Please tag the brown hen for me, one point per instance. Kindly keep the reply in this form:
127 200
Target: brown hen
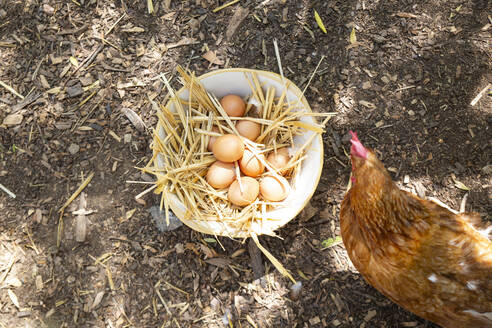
422 256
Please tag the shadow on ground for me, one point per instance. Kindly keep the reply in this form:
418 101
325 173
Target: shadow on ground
405 86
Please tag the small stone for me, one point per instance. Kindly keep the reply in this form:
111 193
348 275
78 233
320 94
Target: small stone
411 112
371 314
336 323
487 169
215 304
73 149
48 9
160 219
406 179
366 85
314 321
295 291
179 248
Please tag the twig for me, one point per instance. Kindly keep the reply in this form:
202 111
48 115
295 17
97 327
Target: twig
11 194
77 192
463 203
29 99
114 25
37 69
9 88
74 30
225 5
480 95
7 270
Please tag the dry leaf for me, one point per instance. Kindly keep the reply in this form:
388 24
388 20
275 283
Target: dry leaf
219 262
211 56
53 91
13 298
353 37
458 184
13 281
319 22
210 253
74 61
13 119
129 214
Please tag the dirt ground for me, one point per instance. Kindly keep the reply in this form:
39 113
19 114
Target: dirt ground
406 85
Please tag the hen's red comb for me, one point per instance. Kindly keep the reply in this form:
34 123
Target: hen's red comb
354 136
357 148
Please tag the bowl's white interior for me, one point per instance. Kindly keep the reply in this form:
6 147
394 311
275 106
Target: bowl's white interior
235 81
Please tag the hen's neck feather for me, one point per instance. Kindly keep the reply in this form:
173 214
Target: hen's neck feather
381 207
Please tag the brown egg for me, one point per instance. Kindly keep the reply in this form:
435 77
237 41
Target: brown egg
251 189
228 148
248 129
274 188
280 159
221 175
211 140
251 165
233 105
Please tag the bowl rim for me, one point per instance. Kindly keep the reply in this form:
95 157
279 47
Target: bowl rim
299 94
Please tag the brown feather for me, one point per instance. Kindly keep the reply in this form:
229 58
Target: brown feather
419 254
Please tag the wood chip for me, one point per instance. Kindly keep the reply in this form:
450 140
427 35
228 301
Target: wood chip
97 300
240 14
39 283
134 118
75 90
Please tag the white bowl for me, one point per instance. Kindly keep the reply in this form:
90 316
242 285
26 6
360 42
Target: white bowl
235 81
